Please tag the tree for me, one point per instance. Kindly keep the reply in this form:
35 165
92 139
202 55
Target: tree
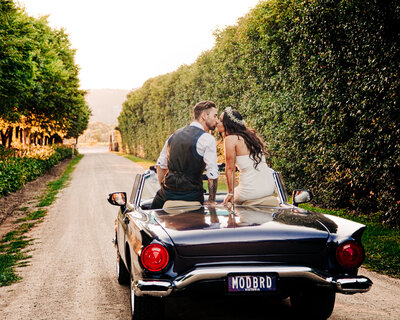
38 76
17 70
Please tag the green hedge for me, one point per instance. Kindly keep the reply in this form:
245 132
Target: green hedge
15 172
318 79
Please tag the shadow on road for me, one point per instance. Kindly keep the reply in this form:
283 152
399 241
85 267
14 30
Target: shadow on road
232 308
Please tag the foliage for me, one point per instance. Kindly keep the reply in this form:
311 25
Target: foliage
318 79
16 66
16 171
38 76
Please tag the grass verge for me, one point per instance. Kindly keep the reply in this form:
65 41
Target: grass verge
142 162
382 245
14 243
55 186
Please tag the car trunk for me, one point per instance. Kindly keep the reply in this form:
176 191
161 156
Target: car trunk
248 231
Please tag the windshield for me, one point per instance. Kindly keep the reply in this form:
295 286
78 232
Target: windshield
134 189
150 187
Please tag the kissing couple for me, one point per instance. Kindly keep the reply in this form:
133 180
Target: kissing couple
191 150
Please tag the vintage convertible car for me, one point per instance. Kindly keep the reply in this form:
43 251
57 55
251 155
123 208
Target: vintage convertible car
269 248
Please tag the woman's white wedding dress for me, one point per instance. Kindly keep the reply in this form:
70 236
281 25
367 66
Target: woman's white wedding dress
254 183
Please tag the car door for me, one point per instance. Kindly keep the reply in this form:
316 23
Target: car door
123 221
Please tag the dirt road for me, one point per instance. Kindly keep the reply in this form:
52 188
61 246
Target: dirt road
72 271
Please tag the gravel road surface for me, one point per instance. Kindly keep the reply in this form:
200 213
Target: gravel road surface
71 274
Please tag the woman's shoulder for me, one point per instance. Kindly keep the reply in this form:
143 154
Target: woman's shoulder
234 138
238 143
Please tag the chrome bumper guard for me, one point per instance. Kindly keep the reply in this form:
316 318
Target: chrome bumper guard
161 288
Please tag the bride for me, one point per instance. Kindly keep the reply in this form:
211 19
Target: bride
244 149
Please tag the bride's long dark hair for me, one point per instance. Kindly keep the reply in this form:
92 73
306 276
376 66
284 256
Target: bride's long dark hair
234 124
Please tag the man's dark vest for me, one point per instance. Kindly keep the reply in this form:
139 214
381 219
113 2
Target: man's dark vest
185 165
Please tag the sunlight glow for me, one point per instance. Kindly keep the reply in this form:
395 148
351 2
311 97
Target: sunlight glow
122 43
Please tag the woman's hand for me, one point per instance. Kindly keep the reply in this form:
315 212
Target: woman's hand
228 199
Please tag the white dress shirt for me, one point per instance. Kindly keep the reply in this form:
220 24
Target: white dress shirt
206 147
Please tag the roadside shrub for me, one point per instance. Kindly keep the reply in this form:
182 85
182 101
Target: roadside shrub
15 172
6 153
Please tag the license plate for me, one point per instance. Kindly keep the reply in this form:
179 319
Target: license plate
251 283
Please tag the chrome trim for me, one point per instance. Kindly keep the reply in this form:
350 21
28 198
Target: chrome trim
139 190
346 285
221 272
134 193
353 285
280 187
156 288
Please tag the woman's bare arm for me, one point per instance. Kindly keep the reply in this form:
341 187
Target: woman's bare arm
230 165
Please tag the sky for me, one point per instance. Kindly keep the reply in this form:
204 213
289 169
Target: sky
122 43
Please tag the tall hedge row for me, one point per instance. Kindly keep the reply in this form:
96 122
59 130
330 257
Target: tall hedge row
318 79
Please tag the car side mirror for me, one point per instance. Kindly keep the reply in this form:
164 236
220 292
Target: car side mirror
117 199
301 196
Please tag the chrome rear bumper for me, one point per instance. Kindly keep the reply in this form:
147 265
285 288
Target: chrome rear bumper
346 285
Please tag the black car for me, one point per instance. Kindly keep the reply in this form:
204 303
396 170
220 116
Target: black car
270 248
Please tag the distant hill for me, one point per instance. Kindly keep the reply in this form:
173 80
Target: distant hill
97 132
106 104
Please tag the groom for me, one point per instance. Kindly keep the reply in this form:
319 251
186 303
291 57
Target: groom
185 155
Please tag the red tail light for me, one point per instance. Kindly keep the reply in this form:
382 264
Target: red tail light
350 254
154 257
